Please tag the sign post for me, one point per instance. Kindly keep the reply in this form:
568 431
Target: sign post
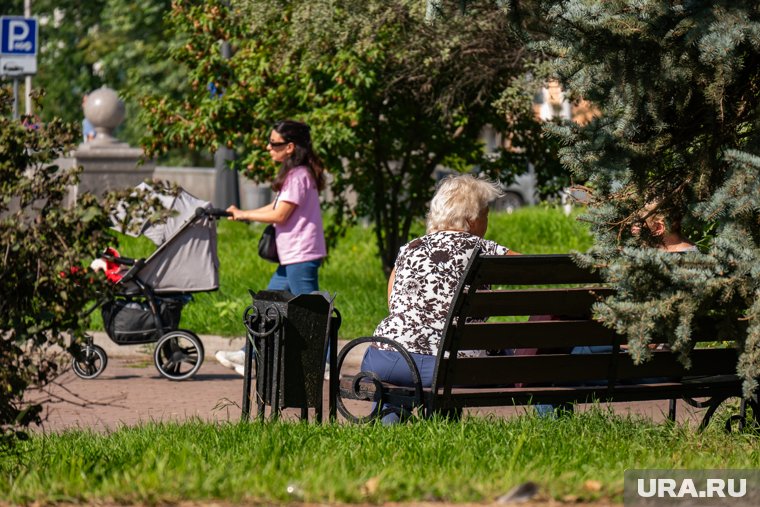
18 50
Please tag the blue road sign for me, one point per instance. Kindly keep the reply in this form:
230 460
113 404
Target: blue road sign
18 36
18 46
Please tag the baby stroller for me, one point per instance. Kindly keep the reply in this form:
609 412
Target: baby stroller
150 293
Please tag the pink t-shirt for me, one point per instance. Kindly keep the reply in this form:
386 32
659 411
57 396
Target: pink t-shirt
301 237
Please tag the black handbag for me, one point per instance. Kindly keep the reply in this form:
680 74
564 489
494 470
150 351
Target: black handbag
268 246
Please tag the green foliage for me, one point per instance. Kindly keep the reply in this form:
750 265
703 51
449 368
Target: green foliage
65 58
117 43
390 94
130 42
43 243
677 84
475 460
539 230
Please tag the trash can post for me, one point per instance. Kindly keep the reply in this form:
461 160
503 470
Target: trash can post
332 385
290 335
247 378
248 348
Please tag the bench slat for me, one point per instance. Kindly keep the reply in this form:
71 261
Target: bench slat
549 334
566 368
703 387
570 302
546 334
485 397
532 270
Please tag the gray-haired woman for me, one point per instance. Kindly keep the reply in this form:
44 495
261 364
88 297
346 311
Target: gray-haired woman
425 276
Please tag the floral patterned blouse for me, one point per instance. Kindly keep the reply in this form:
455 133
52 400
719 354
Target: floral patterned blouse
428 270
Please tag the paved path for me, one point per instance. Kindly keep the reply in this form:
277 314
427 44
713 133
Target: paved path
131 391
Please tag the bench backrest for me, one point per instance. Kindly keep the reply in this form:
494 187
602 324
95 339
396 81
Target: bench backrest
554 287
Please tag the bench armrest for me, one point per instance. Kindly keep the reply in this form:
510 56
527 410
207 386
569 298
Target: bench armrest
363 376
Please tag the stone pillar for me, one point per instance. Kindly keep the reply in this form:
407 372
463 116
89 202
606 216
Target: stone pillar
108 163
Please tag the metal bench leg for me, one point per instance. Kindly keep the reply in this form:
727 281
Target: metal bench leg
755 406
740 419
672 410
713 404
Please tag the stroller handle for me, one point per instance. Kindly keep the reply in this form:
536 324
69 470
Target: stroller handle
212 212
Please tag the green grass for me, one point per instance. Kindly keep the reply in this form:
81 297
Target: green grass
475 460
353 270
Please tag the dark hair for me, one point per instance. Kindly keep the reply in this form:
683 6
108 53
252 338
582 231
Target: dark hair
299 134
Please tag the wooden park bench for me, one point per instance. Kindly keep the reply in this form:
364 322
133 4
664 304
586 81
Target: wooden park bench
554 375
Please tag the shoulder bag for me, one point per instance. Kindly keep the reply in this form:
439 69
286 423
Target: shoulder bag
268 246
267 243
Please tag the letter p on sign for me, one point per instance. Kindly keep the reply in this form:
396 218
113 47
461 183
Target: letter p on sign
18 37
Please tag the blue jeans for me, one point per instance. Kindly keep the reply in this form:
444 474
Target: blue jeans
298 278
390 366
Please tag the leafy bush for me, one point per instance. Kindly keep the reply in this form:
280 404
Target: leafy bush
43 242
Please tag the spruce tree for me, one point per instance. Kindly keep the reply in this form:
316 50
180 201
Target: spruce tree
677 86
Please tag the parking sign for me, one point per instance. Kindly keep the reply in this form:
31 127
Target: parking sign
18 45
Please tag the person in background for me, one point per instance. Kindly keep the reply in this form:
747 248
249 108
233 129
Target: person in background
88 130
296 215
424 278
666 230
667 233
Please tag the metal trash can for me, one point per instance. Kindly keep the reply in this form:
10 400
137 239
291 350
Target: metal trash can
288 337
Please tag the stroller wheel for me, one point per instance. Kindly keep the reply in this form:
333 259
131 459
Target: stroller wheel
178 355
90 362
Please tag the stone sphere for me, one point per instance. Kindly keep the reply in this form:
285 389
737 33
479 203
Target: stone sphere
104 109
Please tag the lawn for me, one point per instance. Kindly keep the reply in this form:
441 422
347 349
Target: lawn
571 458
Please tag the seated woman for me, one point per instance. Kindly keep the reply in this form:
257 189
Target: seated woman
664 234
424 278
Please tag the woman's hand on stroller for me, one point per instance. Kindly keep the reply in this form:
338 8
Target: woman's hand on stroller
235 213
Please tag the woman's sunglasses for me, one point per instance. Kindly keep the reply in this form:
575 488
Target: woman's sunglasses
275 144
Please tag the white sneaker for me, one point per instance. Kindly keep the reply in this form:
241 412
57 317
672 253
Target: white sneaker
230 358
240 370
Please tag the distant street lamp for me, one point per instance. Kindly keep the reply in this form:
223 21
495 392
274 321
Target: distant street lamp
226 191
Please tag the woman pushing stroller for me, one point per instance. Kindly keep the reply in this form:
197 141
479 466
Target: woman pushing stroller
295 213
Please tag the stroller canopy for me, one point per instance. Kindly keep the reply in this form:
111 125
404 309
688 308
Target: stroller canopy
185 260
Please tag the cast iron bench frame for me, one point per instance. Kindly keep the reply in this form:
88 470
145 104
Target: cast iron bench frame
548 378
